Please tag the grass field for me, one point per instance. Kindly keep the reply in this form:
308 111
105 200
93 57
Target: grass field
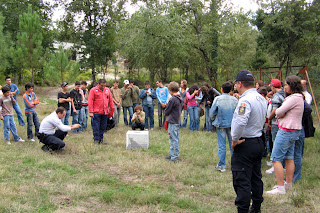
89 178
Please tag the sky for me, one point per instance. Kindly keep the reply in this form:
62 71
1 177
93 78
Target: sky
246 6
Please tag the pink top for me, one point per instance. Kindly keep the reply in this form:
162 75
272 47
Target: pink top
191 100
291 111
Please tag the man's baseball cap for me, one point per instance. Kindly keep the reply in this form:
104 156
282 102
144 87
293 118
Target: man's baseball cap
126 82
275 83
244 75
64 84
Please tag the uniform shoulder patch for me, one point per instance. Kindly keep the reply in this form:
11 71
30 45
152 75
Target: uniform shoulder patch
242 109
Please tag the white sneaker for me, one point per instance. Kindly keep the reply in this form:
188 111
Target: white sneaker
151 128
21 140
270 171
287 185
269 163
146 129
277 190
220 168
32 140
8 142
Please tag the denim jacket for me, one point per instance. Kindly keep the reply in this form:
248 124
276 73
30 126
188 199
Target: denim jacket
222 110
143 96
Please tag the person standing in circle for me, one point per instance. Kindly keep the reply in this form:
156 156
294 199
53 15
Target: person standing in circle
101 108
248 148
290 124
15 91
64 101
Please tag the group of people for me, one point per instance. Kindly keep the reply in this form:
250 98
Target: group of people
8 103
278 115
274 116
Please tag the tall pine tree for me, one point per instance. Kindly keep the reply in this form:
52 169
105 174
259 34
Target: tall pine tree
4 46
29 45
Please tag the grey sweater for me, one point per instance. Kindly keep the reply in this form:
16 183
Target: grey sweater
7 105
173 109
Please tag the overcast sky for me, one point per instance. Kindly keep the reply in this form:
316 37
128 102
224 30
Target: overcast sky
246 5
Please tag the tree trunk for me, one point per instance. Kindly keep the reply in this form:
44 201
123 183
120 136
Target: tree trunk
93 75
187 73
288 66
211 72
32 70
151 76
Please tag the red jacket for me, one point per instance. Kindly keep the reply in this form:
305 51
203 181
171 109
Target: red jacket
100 101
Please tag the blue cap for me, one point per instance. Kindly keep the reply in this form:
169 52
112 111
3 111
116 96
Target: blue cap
244 75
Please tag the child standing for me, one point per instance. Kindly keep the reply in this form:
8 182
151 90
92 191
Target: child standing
30 101
6 102
172 114
84 110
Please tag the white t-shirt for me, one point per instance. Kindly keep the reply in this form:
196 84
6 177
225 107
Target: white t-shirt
307 96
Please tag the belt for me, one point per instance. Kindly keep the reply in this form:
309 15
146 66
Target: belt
251 138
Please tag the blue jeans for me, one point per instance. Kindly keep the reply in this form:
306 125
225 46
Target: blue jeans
149 112
65 119
283 147
222 134
9 125
84 115
274 131
185 119
130 109
16 107
32 118
116 114
77 119
173 130
99 126
298 154
161 116
194 118
208 120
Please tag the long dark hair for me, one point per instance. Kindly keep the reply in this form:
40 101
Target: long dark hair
204 89
193 88
294 83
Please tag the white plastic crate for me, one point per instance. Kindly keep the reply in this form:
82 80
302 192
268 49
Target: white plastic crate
137 139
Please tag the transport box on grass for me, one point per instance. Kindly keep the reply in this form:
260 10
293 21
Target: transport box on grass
137 139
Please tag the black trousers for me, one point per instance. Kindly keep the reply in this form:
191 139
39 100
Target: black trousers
246 173
270 140
135 126
55 141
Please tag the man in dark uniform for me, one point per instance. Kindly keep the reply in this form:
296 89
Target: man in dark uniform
246 131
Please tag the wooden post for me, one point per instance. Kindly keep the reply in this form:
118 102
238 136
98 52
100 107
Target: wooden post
260 73
315 102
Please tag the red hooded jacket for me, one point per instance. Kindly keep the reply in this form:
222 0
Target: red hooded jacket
100 101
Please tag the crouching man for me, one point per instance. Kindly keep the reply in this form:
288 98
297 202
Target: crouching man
52 138
138 118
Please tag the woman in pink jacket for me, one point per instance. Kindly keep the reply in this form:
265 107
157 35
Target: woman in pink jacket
192 107
289 117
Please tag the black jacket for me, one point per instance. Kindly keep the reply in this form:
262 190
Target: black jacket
307 121
173 109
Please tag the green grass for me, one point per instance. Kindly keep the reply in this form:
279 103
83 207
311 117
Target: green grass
89 178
